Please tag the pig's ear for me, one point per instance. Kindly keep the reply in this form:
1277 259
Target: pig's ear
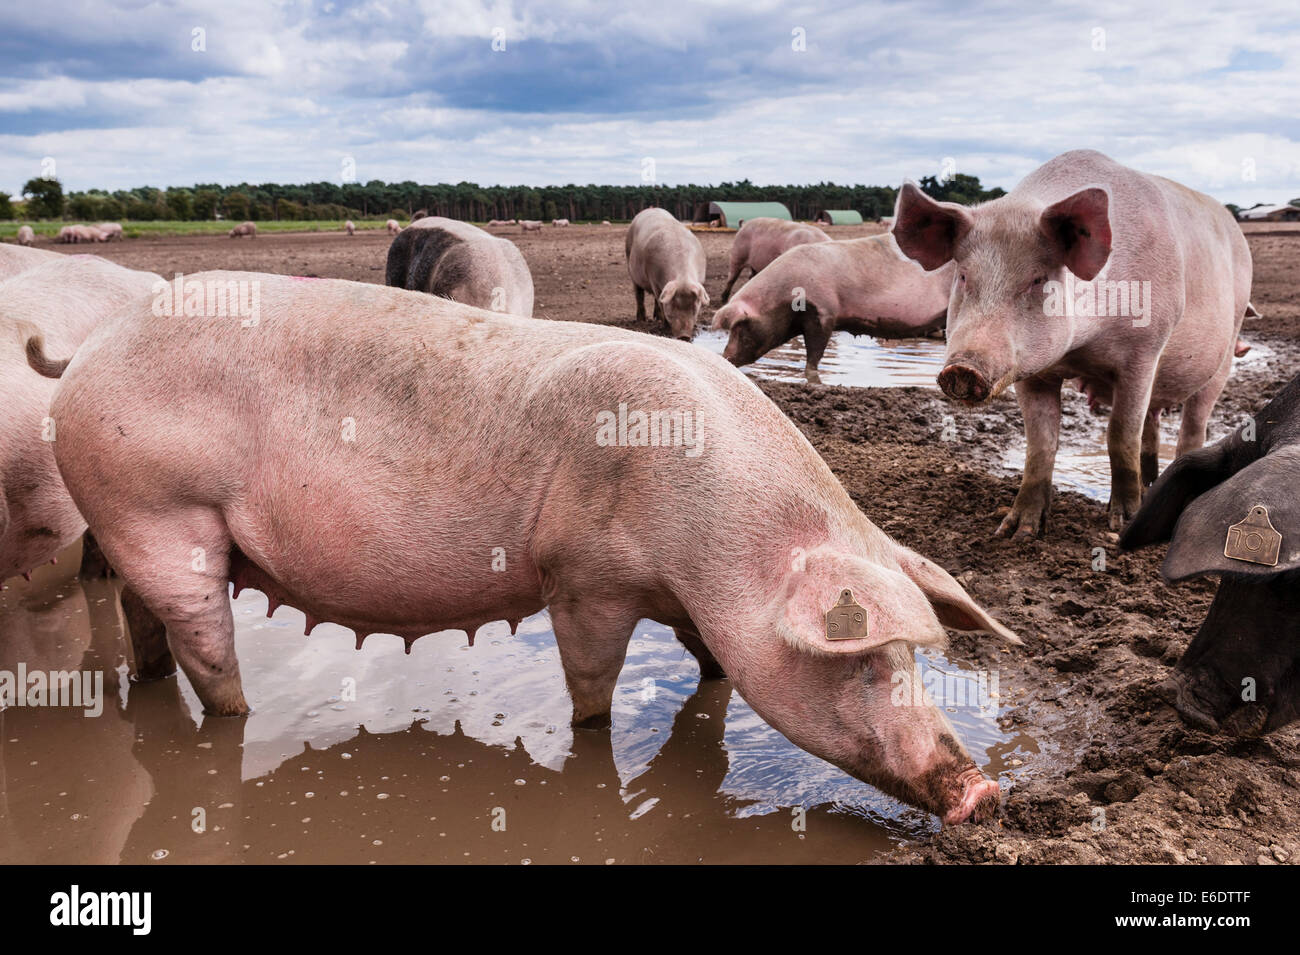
926 230
729 316
952 605
704 295
1181 483
1078 227
894 608
667 293
1263 490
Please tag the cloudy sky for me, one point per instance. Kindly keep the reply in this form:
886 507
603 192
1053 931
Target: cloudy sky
120 93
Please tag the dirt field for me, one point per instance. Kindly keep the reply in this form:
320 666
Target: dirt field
1118 778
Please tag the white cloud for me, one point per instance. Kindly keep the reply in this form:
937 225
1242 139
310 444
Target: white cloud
712 91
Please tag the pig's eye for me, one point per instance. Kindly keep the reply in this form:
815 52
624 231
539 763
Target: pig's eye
961 277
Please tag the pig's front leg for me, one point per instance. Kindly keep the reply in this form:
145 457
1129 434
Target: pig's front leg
815 340
1040 406
592 636
639 292
1128 416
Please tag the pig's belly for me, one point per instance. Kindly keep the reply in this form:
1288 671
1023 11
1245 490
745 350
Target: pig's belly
376 580
37 533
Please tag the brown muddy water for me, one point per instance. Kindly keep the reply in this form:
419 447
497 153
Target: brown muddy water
450 754
1082 462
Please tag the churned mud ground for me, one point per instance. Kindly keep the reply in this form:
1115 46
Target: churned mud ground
1117 777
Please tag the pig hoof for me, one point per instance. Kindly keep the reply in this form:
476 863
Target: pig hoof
1121 512
152 674
228 710
1021 527
599 721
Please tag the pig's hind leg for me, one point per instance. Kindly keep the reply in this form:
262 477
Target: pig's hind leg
639 292
153 658
1197 409
592 636
177 569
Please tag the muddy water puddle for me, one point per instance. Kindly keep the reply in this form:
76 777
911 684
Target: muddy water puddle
1082 462
449 754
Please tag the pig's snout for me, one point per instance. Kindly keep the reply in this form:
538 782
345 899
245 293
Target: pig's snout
732 351
978 801
963 382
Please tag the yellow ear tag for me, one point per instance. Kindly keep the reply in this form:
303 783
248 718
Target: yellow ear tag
1254 540
846 620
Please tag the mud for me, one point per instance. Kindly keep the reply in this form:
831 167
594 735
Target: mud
434 747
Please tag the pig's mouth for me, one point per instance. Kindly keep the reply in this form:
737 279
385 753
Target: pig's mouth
979 799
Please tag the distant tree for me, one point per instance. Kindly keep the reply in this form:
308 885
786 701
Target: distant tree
205 204
111 208
236 206
959 188
180 204
44 198
6 207
288 209
83 206
1234 209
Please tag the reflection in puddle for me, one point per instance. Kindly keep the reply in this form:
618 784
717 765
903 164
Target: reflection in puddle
851 361
373 755
1082 463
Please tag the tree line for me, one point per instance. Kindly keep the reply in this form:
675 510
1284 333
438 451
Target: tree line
45 199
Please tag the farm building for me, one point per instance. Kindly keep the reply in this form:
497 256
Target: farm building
732 214
1282 213
839 217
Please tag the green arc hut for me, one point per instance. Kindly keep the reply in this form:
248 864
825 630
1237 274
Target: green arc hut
839 217
731 215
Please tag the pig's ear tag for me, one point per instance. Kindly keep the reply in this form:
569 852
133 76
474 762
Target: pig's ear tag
846 620
1254 540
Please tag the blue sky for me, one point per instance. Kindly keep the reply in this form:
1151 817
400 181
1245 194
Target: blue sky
116 95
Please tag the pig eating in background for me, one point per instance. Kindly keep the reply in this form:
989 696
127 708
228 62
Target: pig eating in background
460 261
393 226
666 259
1130 282
244 228
113 230
350 227
1241 672
864 286
495 466
25 235
60 301
761 240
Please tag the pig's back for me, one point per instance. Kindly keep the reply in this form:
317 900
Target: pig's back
404 417
421 378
